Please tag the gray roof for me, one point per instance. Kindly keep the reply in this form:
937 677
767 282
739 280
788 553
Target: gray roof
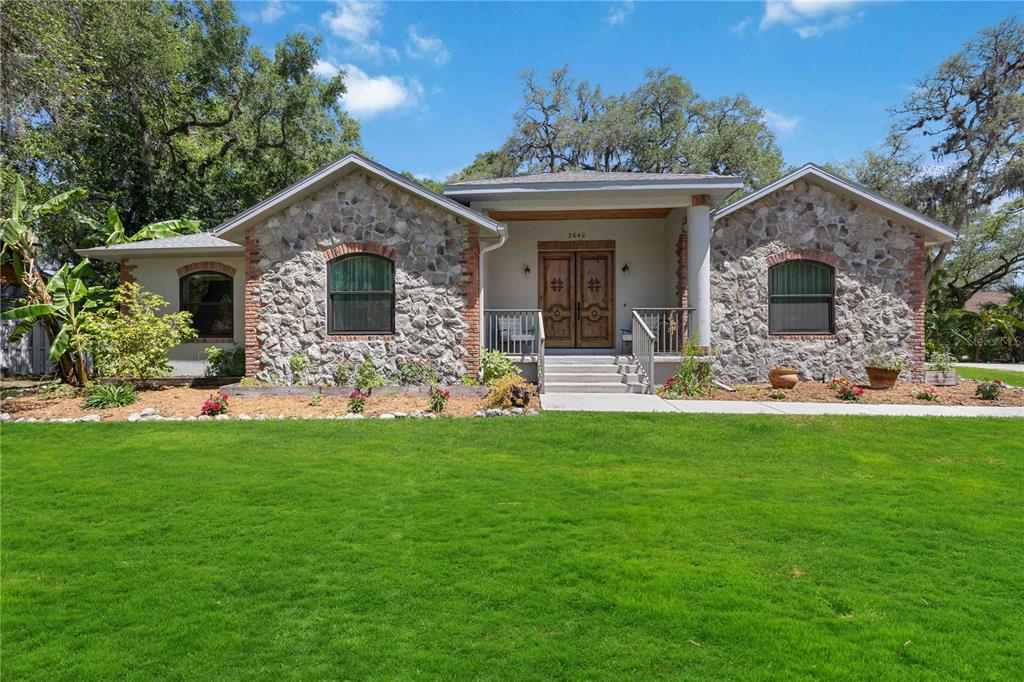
203 241
589 176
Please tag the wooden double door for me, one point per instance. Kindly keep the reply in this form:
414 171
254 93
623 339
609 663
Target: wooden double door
577 296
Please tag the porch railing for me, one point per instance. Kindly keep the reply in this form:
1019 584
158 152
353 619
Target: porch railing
670 326
644 342
516 332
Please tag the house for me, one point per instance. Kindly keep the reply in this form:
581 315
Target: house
589 280
986 299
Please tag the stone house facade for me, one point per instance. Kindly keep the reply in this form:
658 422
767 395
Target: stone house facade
356 262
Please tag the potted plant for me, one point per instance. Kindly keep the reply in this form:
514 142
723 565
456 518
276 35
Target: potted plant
783 376
883 366
938 371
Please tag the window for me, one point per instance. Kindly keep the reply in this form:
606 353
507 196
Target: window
209 297
801 299
361 288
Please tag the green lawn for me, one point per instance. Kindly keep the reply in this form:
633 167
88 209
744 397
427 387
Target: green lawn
561 546
985 374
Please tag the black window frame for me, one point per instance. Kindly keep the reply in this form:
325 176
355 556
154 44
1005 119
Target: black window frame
830 297
182 307
331 328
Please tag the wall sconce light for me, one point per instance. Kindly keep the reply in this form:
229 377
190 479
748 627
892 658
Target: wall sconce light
625 269
526 270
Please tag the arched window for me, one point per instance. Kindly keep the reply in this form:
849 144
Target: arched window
801 298
361 288
209 296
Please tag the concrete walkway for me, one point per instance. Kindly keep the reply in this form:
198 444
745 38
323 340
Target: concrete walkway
632 402
1001 366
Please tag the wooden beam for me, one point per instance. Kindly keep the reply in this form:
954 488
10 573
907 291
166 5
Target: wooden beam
581 214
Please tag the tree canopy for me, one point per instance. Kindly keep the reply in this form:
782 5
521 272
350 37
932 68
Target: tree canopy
662 126
162 108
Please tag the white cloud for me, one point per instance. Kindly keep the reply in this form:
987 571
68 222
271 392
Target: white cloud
271 11
740 27
619 11
780 123
421 46
356 21
810 18
325 68
367 96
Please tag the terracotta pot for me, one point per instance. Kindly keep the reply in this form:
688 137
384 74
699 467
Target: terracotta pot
783 377
882 378
936 378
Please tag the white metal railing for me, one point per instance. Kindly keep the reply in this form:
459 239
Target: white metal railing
513 332
540 352
644 343
670 326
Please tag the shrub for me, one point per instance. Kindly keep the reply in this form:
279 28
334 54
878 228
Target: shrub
438 399
226 361
468 380
989 390
418 374
846 390
880 356
134 343
250 381
214 405
298 364
367 375
342 373
777 395
315 400
926 393
694 377
502 389
104 396
357 401
940 361
494 365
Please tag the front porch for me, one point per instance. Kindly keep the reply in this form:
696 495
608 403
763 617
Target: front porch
647 353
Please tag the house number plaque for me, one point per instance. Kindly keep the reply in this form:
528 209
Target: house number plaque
577 235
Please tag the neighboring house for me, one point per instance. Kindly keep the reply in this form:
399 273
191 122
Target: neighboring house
356 261
986 299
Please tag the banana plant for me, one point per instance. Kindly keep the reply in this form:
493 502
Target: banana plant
70 296
18 248
112 232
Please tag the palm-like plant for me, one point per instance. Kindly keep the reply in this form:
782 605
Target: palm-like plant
113 232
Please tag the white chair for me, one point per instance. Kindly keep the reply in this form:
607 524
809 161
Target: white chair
514 337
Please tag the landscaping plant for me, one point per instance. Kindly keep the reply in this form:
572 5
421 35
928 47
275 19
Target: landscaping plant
990 390
940 361
502 390
694 377
468 380
130 338
298 365
342 373
846 390
927 393
368 376
225 361
104 396
418 374
357 401
438 399
214 405
315 400
880 356
494 365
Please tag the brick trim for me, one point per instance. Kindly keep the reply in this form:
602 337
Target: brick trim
125 271
802 337
359 247
206 266
918 295
252 302
470 289
360 337
803 254
579 245
213 340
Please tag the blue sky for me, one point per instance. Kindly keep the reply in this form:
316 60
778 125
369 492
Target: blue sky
433 83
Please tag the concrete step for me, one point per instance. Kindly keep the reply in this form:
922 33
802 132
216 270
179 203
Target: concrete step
592 369
568 360
592 377
572 387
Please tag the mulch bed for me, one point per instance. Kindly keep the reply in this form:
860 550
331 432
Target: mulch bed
180 401
901 394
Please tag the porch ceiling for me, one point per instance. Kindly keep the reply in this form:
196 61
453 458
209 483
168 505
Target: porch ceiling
581 214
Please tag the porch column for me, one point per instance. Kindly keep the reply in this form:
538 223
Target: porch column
698 267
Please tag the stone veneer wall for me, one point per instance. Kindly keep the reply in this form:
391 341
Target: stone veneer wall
436 282
879 268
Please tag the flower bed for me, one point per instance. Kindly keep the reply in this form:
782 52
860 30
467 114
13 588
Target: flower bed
183 402
903 393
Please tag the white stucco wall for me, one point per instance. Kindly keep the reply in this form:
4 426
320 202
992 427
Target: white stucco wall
642 244
160 276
